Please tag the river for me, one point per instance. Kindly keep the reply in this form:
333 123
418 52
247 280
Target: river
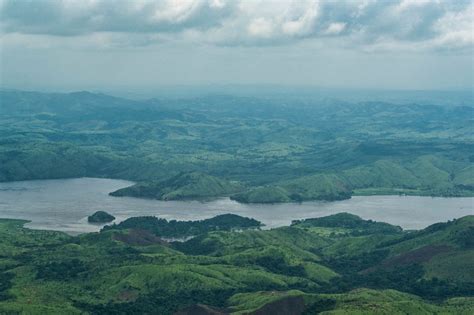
64 205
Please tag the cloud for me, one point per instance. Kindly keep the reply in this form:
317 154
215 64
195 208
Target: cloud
366 24
456 28
261 27
335 28
78 17
302 22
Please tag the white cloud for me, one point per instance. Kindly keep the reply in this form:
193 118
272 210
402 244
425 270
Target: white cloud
368 24
456 29
303 22
407 4
261 27
335 28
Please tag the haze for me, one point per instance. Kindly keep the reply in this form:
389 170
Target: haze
93 45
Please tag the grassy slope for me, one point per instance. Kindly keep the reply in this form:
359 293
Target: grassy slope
426 175
183 186
52 272
314 187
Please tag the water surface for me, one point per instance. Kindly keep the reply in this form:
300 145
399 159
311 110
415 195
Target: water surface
64 205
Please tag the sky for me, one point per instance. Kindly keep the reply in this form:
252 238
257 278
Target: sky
125 44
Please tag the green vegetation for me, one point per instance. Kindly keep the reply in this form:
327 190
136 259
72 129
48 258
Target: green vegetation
351 223
255 150
251 150
315 187
100 217
360 301
182 186
173 228
338 264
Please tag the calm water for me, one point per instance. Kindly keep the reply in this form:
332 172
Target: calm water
65 204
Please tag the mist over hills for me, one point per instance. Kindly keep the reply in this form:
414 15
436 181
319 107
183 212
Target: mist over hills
460 97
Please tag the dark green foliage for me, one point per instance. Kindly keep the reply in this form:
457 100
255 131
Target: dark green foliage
278 264
61 271
465 238
161 302
100 217
406 279
5 285
200 245
354 264
319 306
173 228
349 221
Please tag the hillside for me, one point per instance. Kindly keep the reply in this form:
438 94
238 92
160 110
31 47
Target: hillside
281 150
315 187
360 301
335 265
426 176
180 187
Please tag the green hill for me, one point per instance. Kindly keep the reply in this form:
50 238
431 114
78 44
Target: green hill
465 178
193 185
339 264
311 150
445 250
314 187
426 175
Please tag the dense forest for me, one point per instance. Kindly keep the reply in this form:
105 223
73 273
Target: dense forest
251 149
332 265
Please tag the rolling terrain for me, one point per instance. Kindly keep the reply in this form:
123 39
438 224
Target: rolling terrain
252 149
332 265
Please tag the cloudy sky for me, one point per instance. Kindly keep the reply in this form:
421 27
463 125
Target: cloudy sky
94 44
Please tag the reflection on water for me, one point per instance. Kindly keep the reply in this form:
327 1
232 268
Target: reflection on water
64 205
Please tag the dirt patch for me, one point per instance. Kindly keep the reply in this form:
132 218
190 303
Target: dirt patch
292 305
419 255
139 238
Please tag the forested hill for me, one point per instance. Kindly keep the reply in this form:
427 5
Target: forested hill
278 150
193 185
339 264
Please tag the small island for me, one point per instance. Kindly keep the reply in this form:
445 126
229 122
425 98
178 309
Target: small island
100 217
